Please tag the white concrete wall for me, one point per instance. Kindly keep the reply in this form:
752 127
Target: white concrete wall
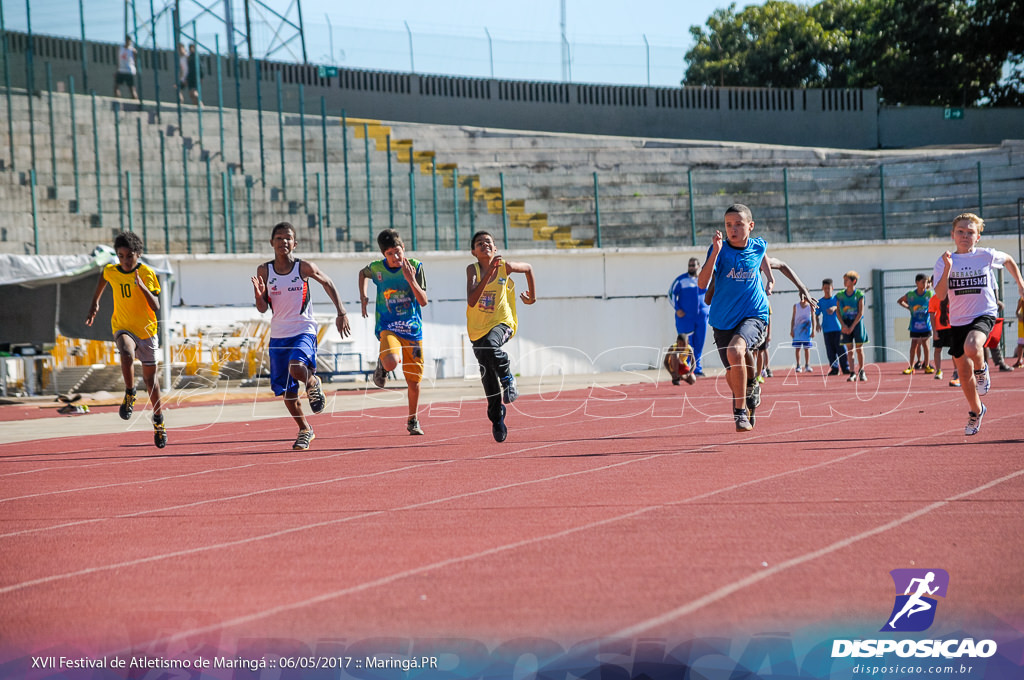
597 310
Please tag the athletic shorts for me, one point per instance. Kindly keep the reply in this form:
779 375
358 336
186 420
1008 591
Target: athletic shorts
145 349
942 338
125 79
411 351
802 344
920 334
753 330
859 336
284 351
958 334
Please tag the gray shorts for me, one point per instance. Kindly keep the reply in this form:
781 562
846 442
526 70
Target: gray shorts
145 350
753 330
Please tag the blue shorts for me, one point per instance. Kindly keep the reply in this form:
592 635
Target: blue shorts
753 330
284 351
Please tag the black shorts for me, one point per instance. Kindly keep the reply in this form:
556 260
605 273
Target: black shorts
958 334
942 338
915 335
124 79
753 330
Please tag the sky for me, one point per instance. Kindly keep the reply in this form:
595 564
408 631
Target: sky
637 43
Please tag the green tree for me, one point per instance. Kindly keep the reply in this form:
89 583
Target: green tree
926 52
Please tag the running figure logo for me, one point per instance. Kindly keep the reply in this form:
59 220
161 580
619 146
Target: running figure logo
914 609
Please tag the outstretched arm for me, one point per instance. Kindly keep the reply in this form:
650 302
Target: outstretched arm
95 306
530 296
309 270
788 272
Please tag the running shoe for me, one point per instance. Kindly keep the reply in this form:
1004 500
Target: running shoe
127 405
304 439
955 382
742 419
414 426
315 394
498 429
768 373
808 369
909 370
974 421
852 377
159 435
862 376
1005 368
984 383
917 366
380 376
929 369
753 394
509 389
938 375
799 370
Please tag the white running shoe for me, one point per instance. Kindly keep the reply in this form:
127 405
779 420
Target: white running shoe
974 421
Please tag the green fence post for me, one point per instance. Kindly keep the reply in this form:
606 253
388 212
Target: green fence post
188 211
259 118
344 160
433 180
597 212
153 59
85 61
35 216
981 200
327 173
209 201
224 196
785 191
881 188
199 91
878 306
220 93
280 133
455 203
248 203
412 209
693 217
391 187
504 212
230 200
176 21
319 213
142 180
30 80
472 208
53 137
302 138
117 157
7 84
369 203
238 112
163 184
74 142
96 157
128 191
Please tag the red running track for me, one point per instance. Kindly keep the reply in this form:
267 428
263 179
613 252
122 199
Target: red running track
633 511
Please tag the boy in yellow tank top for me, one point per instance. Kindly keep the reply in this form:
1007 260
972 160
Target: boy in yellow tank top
135 288
491 322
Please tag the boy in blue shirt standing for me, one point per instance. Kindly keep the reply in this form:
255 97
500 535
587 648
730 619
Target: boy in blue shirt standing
401 294
739 306
828 320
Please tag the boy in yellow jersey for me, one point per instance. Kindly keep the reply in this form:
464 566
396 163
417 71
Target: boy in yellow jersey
135 288
491 322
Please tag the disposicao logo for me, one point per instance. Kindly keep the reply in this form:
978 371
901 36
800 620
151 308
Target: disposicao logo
916 589
914 611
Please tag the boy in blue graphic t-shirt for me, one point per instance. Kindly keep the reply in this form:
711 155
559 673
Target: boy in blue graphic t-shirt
739 306
916 301
401 293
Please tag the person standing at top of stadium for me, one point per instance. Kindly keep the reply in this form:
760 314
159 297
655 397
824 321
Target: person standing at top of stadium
135 288
398 322
282 286
125 75
491 321
964 277
687 300
739 306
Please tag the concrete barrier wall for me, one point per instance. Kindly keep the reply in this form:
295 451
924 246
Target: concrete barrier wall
597 310
828 118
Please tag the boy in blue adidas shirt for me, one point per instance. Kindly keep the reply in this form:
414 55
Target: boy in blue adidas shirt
401 294
739 306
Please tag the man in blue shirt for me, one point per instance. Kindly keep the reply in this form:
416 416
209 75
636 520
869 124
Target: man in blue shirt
828 322
739 306
687 299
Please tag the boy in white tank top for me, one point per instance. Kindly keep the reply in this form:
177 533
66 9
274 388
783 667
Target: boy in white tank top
282 286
